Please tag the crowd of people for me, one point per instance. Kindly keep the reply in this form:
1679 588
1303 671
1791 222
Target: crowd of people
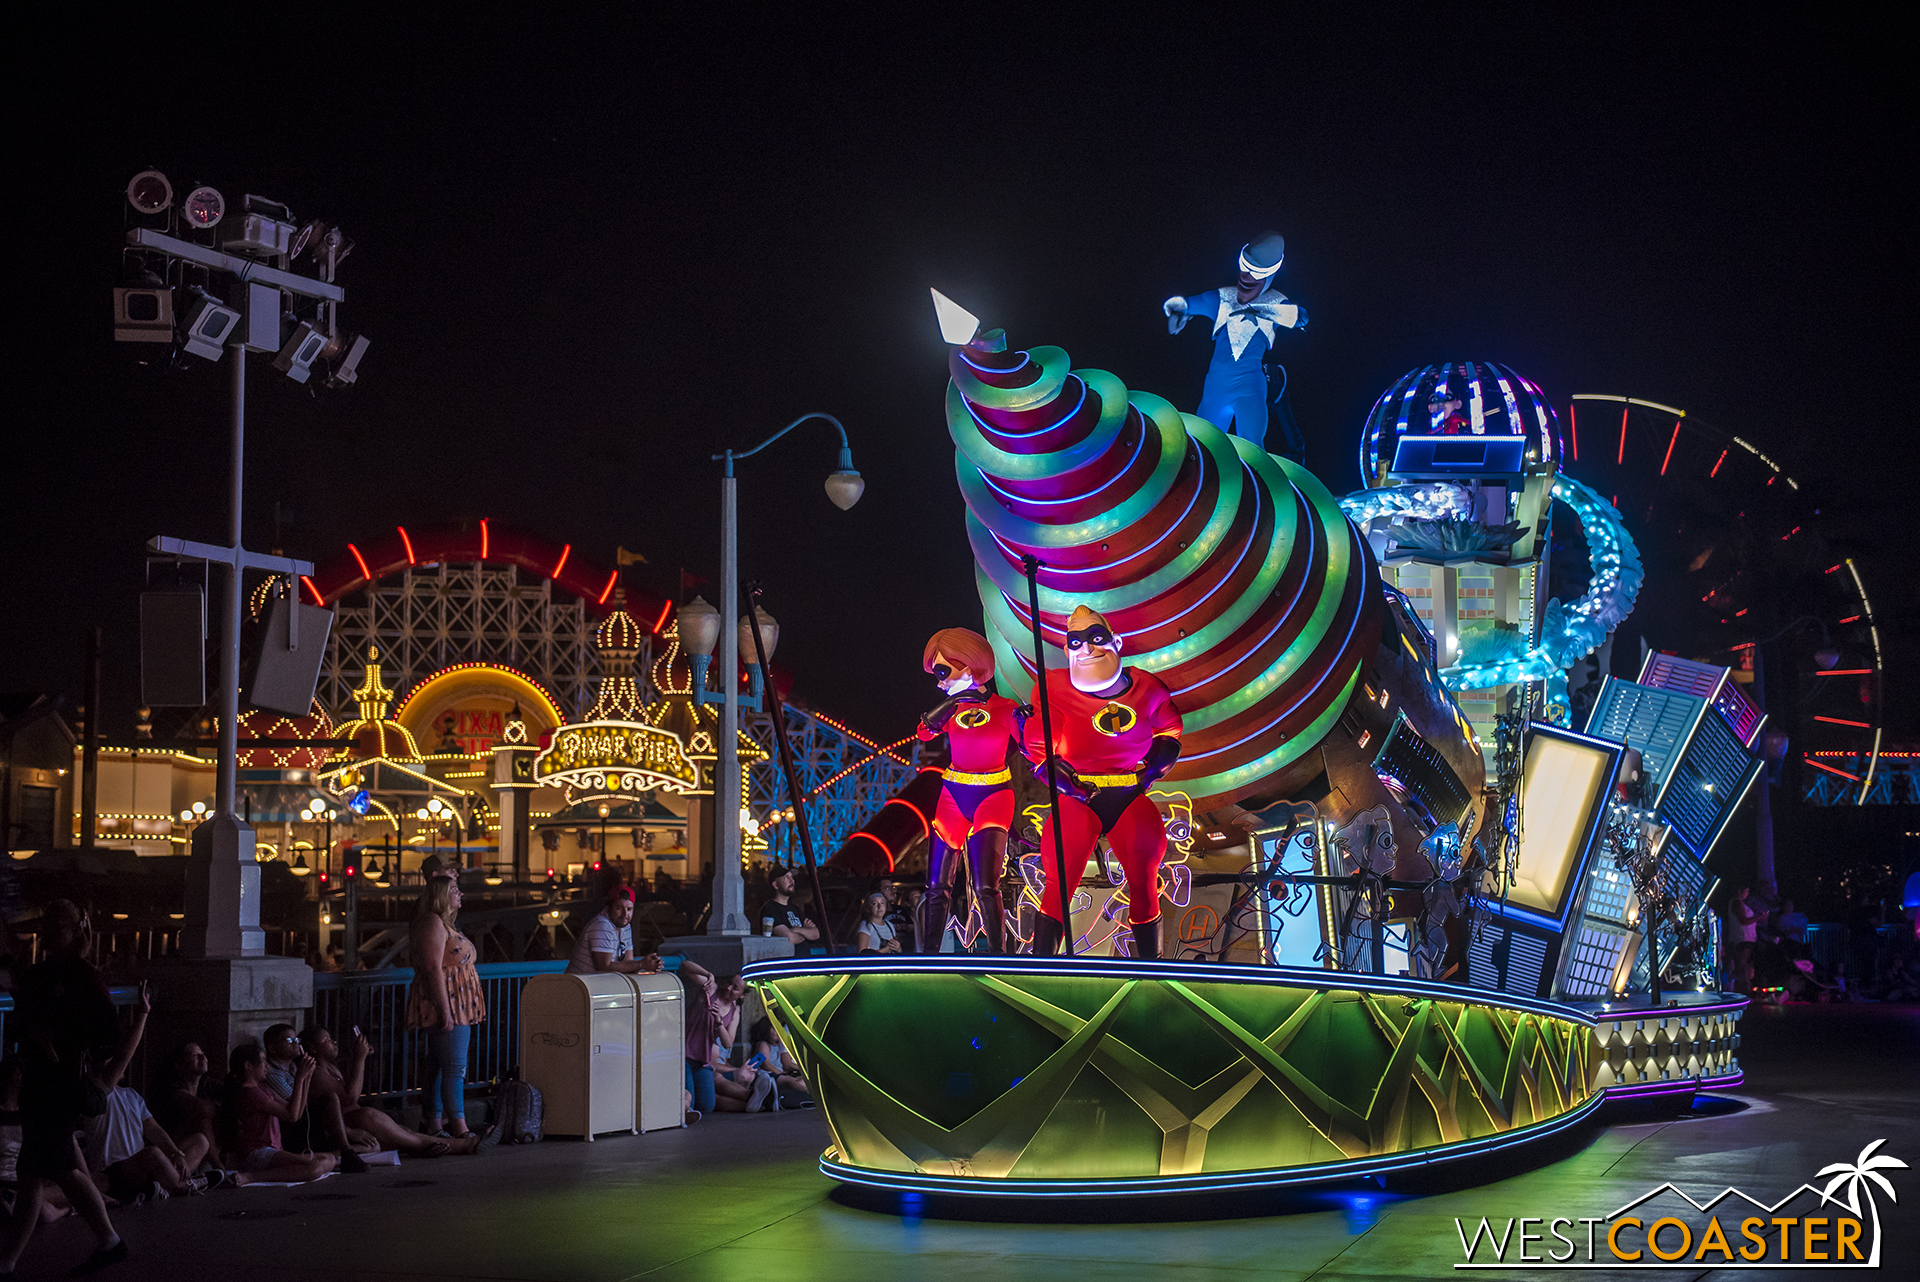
1769 952
724 1074
76 1139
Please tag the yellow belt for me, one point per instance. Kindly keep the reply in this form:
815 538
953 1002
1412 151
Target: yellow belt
961 776
1110 781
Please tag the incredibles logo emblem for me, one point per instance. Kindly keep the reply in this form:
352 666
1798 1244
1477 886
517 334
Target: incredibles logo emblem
1115 719
972 718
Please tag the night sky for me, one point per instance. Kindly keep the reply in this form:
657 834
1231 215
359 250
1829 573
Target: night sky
588 257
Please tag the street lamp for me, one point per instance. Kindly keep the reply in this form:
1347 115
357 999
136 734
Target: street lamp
605 810
844 487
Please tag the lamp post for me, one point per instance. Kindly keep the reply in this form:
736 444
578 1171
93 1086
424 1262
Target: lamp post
605 810
844 487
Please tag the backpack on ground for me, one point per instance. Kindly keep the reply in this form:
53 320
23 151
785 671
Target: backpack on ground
522 1112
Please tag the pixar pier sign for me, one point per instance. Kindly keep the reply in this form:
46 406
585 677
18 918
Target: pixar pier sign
1835 1225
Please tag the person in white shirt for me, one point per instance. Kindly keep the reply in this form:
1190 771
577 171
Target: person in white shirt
606 944
877 934
129 1154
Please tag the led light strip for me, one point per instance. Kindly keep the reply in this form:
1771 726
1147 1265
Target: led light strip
1224 1181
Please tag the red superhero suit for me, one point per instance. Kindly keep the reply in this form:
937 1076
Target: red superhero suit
974 811
1108 742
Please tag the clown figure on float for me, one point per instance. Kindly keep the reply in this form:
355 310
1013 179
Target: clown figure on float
1115 731
976 792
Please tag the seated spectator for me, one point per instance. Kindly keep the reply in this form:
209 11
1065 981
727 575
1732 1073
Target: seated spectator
606 943
729 992
771 1054
737 1088
876 933
189 1097
779 918
129 1154
12 1136
254 1117
322 1124
366 1124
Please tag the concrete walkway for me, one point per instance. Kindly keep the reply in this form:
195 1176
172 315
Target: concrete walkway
738 1199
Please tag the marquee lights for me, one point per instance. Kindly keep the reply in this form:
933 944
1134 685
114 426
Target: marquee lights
616 756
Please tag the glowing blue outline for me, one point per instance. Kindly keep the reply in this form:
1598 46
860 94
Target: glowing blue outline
1186 972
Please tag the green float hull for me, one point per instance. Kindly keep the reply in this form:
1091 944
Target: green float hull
1034 1075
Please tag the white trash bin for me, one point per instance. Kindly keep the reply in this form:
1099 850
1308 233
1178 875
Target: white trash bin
662 1080
578 1034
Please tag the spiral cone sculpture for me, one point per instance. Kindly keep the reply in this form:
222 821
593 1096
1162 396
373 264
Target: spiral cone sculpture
1231 574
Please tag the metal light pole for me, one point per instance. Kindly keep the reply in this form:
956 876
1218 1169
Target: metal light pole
844 487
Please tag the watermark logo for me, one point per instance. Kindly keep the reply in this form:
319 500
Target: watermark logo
1840 1228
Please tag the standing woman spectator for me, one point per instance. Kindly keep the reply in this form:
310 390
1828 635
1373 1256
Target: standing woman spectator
446 1001
877 934
63 1011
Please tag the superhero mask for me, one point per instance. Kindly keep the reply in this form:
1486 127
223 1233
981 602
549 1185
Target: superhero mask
952 678
1093 651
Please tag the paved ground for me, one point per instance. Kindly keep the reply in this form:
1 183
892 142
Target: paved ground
739 1199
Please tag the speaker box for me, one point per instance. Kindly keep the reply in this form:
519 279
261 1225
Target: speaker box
173 648
285 677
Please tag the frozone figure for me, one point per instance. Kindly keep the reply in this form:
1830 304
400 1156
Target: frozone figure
976 794
1115 731
1245 316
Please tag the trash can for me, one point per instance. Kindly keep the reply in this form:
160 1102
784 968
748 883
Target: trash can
662 1078
577 1040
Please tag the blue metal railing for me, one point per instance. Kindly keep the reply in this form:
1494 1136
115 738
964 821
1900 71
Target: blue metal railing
376 1002
123 996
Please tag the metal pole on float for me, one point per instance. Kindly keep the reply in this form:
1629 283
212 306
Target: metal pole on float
1031 564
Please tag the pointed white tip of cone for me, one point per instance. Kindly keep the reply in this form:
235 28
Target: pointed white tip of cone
957 324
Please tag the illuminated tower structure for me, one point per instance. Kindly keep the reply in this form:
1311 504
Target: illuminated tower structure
1462 457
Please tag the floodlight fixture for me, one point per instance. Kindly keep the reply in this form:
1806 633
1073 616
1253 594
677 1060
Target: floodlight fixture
303 238
150 192
204 207
264 229
296 358
958 326
347 370
209 321
143 315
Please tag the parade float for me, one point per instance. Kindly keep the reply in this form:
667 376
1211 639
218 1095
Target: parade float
1415 913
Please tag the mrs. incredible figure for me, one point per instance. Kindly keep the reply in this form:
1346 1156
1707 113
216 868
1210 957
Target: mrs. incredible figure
1245 315
1115 731
976 795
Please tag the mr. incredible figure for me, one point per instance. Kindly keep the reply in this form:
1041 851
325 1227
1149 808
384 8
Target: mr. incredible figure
1115 731
1245 316
976 795
1443 413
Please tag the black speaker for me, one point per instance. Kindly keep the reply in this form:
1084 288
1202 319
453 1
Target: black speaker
173 648
289 666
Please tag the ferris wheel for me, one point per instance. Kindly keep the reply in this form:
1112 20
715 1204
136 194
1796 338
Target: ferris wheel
1742 567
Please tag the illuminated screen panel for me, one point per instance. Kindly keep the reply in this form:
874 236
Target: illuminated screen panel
1567 780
